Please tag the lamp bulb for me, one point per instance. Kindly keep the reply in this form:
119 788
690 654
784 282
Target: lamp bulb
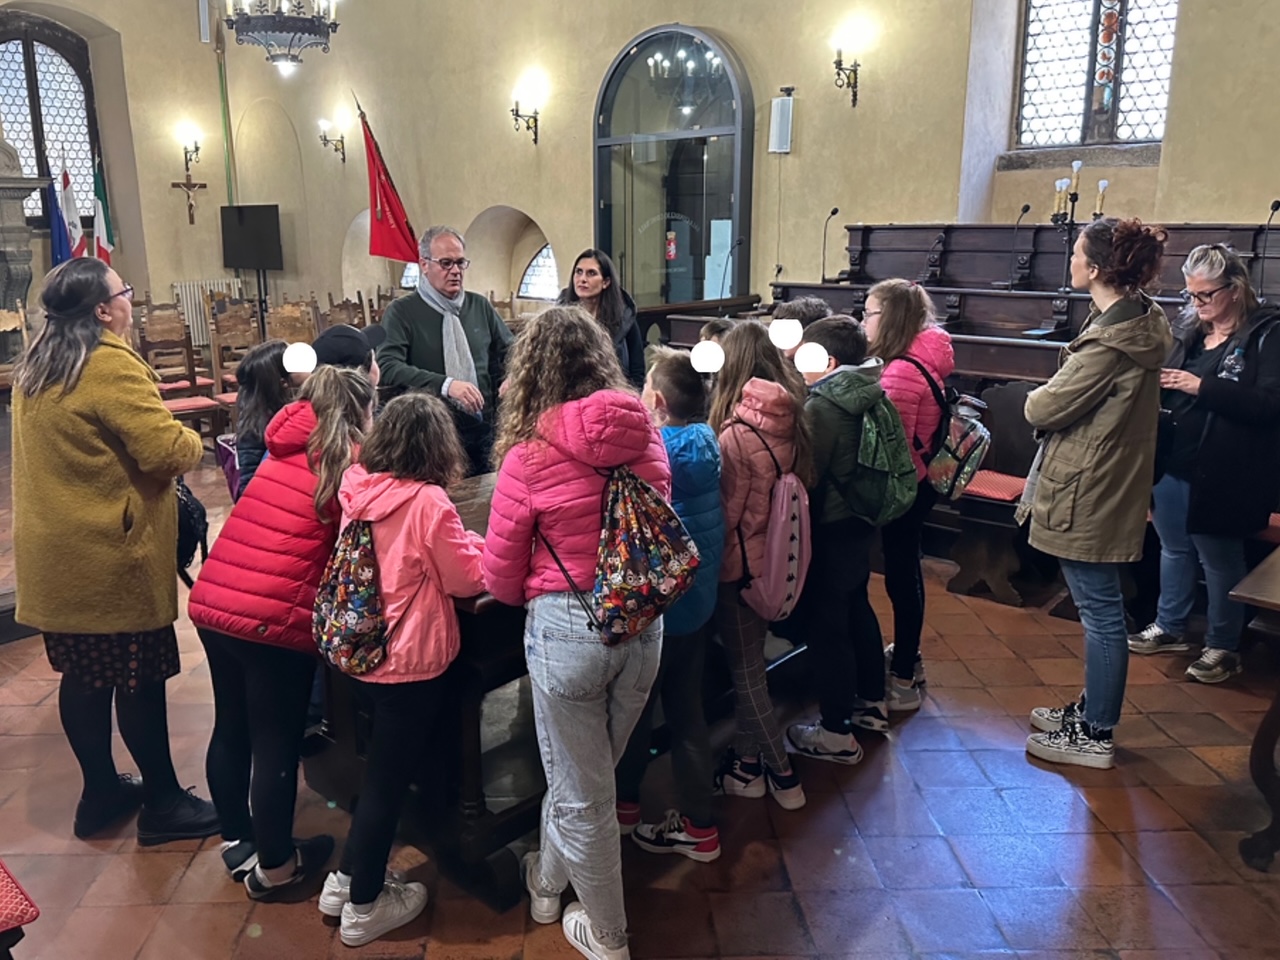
707 356
812 358
286 68
785 332
325 126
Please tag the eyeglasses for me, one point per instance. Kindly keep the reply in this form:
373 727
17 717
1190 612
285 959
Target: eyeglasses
126 291
448 263
871 313
1203 299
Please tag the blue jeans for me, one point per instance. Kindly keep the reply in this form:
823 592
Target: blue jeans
1095 588
587 698
1181 553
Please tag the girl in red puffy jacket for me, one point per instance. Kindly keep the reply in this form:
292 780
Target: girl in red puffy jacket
252 609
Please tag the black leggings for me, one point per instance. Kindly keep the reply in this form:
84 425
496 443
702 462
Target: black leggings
260 696
904 580
403 716
144 725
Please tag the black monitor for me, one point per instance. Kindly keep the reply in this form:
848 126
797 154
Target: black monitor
251 237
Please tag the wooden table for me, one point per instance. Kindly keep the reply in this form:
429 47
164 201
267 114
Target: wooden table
1261 588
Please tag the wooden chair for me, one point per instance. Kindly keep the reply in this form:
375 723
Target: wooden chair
505 308
233 331
164 339
293 321
350 312
382 300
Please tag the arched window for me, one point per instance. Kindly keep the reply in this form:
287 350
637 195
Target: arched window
1095 71
675 126
541 280
46 105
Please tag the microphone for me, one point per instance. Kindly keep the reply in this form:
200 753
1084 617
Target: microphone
823 273
927 274
1013 246
728 259
1266 237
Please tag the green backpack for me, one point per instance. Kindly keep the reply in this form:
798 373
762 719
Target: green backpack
884 485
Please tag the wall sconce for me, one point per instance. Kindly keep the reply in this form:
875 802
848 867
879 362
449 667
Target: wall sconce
339 143
847 77
530 121
188 135
190 155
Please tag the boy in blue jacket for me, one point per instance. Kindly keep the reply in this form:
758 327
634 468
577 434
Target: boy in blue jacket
676 394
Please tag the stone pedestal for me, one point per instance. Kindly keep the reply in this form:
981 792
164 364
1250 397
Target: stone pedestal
15 235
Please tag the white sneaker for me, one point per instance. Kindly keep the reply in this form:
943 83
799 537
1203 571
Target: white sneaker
815 740
543 907
917 673
337 892
397 904
1052 719
1073 744
903 696
870 715
577 930
1151 639
739 777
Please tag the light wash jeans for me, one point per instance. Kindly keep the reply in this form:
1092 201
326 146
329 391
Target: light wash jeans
587 698
1095 588
1181 553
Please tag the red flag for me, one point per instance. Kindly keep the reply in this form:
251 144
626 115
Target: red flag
390 234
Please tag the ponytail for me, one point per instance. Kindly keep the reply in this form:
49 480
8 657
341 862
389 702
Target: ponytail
341 399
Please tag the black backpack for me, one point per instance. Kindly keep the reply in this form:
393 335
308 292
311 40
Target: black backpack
193 531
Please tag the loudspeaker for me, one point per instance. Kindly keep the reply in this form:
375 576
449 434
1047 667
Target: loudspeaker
780 124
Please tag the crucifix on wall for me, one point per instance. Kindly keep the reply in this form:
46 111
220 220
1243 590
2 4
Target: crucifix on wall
190 187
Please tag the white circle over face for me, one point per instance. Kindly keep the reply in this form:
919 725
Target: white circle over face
707 356
299 358
785 333
812 358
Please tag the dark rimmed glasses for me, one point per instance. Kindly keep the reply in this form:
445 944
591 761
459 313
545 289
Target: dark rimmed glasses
1203 299
448 263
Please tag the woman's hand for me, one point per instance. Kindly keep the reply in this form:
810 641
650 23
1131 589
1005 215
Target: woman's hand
1181 381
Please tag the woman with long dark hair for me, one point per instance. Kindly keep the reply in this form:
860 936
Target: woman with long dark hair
1090 485
594 287
95 454
264 390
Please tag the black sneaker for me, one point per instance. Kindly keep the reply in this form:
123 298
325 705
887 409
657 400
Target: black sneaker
240 857
1151 639
1215 665
95 814
870 715
187 818
310 857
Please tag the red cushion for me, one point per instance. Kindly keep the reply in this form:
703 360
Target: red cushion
16 908
204 382
226 399
996 486
191 405
170 386
229 380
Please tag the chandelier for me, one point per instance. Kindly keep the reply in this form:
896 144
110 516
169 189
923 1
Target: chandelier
283 28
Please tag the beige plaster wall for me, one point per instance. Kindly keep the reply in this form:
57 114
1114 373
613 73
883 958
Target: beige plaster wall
1131 193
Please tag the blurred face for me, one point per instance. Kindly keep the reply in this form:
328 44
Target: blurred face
811 377
1082 271
588 281
116 314
871 318
1215 302
446 277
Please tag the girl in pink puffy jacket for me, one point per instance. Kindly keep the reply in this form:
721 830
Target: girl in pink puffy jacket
425 559
568 416
757 388
903 331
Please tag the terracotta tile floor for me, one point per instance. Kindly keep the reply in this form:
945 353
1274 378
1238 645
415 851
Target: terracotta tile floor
944 843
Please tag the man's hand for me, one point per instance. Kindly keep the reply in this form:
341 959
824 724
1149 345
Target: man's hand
467 395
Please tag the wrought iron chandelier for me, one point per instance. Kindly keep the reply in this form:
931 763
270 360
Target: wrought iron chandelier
284 28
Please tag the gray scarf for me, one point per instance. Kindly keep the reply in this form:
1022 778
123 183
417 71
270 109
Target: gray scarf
458 362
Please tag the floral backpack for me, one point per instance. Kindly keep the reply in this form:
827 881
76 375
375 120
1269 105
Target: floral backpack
349 621
646 561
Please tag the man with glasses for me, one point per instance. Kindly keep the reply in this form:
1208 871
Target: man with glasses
446 340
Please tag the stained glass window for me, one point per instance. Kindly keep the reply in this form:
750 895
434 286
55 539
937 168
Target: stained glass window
1095 71
46 104
541 280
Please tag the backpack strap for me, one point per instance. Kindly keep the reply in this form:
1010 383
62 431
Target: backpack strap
938 397
742 543
592 622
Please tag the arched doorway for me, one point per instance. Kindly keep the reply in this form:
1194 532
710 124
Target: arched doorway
675 129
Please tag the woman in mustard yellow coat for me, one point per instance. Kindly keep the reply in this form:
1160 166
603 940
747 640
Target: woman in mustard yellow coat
95 454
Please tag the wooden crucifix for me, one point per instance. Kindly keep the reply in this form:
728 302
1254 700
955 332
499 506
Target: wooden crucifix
190 187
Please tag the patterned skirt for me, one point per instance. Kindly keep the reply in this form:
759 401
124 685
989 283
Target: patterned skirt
124 660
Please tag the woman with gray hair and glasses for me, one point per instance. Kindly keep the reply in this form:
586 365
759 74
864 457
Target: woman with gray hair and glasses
1221 391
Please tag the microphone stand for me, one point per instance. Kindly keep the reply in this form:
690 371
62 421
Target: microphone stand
1066 224
728 259
1013 252
826 225
1266 239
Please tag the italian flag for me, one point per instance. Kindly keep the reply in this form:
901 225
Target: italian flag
71 211
104 240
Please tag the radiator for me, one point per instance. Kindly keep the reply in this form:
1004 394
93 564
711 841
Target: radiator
191 294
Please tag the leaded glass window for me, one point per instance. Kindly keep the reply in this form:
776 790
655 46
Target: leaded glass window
46 104
541 280
1095 71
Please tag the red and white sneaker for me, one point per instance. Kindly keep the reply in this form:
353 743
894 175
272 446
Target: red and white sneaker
676 834
628 816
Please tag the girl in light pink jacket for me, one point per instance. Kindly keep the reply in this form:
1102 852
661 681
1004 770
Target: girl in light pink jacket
425 560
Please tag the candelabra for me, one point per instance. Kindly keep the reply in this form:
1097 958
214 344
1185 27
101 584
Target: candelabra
1065 221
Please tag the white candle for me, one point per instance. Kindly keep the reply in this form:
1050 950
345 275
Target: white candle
1102 192
1075 175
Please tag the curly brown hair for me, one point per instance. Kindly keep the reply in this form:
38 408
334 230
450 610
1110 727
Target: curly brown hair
749 353
562 354
414 438
1127 253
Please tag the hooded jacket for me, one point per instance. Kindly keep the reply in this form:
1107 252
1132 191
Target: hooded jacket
1088 499
834 410
553 487
425 558
628 343
263 571
747 473
695 495
1236 481
910 394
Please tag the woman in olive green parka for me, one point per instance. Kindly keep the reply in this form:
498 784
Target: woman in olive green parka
1090 486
